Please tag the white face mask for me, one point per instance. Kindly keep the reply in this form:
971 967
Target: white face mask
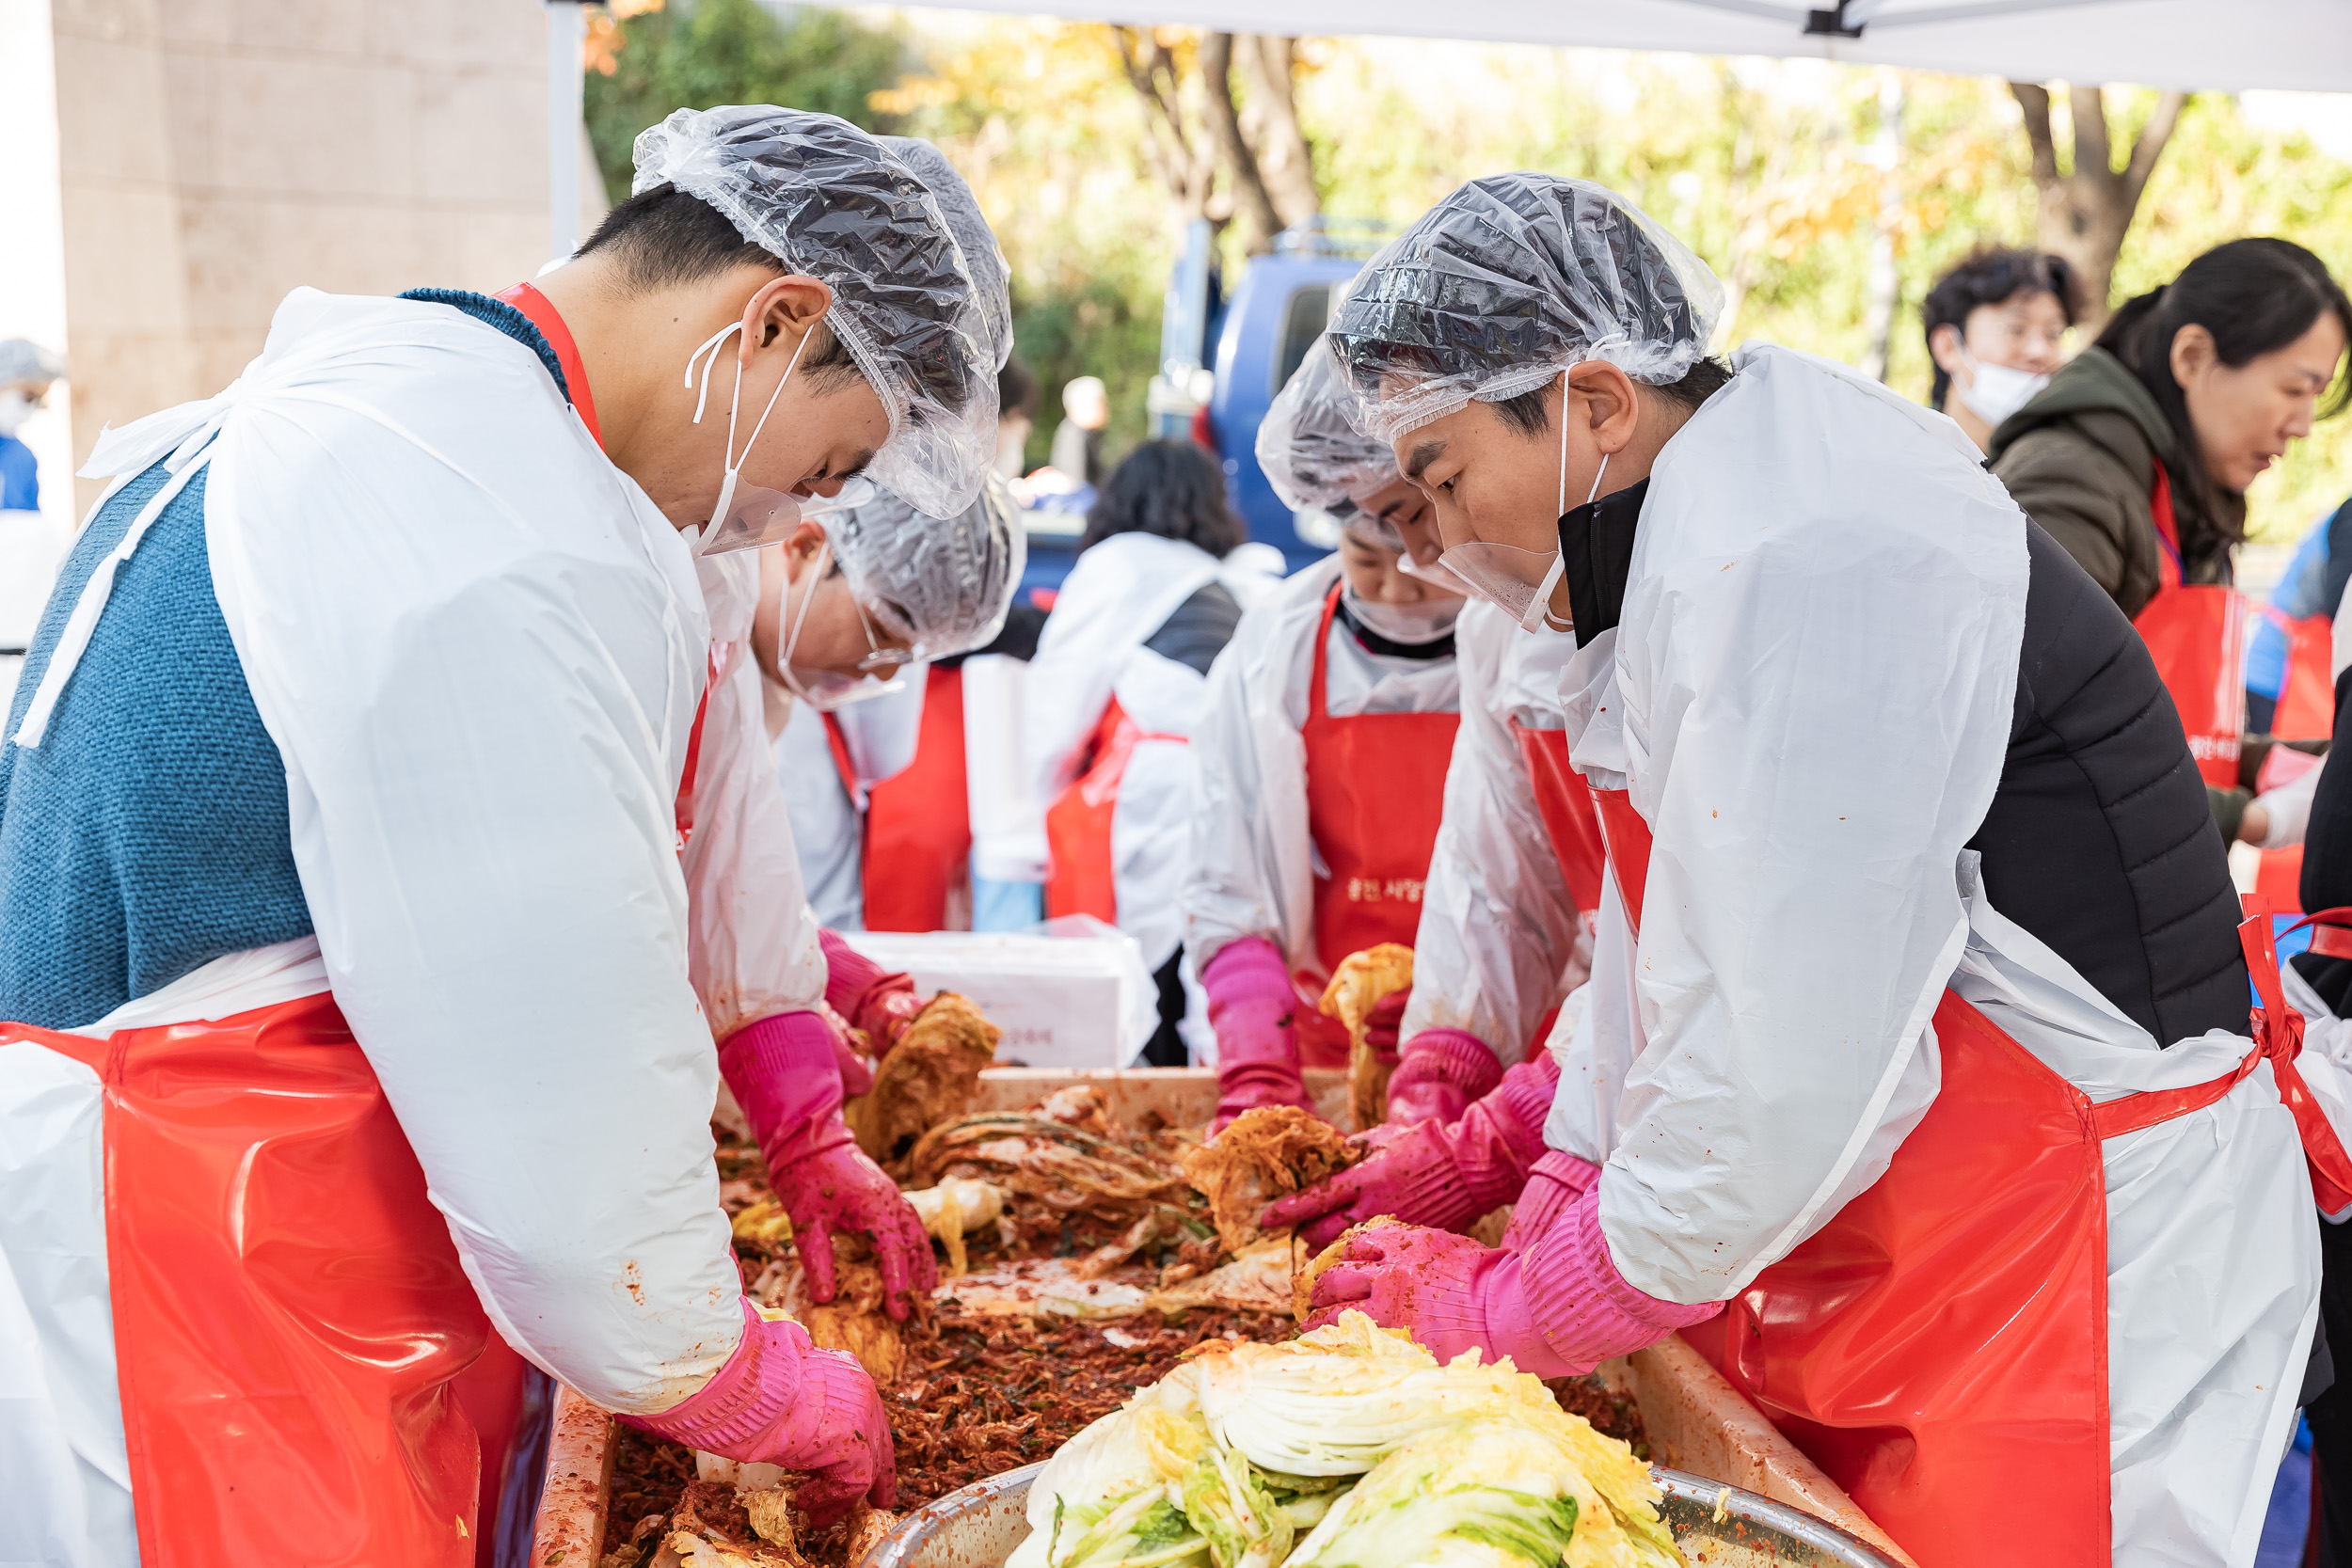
1998 391
15 408
746 515
1520 580
1409 623
824 690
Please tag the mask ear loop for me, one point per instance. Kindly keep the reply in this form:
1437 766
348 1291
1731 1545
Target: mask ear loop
1550 619
793 637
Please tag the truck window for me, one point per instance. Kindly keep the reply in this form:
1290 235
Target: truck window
1303 320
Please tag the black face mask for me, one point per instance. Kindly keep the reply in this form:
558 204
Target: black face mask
1597 557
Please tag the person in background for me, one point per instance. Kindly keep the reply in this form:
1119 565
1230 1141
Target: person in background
1114 693
1078 440
1016 415
1322 758
2137 456
2288 643
30 545
1996 325
27 371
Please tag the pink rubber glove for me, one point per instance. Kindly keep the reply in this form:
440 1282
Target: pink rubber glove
870 997
782 1073
1383 1025
1557 1181
1250 1003
1441 1072
1558 1309
1434 1173
781 1401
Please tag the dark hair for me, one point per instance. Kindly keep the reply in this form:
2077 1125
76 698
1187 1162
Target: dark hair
1171 488
1991 275
663 238
1703 380
1016 387
2255 297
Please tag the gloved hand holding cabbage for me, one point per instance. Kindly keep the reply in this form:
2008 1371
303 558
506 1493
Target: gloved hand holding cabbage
1349 1448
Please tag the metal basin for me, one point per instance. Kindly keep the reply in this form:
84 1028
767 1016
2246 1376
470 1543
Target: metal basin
978 1528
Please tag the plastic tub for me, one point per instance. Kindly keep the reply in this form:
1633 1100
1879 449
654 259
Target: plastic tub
1715 1525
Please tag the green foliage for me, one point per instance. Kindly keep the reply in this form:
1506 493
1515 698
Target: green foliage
701 54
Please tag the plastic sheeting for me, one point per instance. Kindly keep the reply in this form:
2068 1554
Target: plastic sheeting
1504 284
1501 939
828 200
1253 860
479 648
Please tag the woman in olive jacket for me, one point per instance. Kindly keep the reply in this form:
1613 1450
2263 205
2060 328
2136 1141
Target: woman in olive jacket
2213 375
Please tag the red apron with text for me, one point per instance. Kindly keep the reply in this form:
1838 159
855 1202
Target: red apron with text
1375 793
288 1311
2197 638
2306 700
1939 1347
1082 877
918 822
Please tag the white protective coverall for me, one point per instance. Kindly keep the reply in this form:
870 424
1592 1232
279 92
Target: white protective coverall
1502 942
1253 861
479 648
1807 904
1117 596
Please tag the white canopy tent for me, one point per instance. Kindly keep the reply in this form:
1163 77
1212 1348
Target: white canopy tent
2207 45
2201 45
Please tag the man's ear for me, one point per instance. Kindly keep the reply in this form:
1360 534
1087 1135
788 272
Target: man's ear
783 309
1611 407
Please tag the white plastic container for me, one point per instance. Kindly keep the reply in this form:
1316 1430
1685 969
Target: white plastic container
1072 994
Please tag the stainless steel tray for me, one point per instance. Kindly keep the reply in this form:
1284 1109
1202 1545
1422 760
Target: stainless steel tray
1718 1526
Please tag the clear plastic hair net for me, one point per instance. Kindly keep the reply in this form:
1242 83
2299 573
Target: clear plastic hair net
1507 283
991 275
830 201
942 585
1312 455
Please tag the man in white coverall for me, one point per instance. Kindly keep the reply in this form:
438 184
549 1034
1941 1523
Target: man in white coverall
387 834
1970 1176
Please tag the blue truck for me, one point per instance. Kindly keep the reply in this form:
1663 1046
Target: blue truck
1222 358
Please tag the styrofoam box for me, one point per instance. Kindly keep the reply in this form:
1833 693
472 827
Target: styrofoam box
1063 1000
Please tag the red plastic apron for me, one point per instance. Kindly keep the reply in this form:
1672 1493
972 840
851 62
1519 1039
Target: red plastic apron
2197 638
1566 804
288 1308
1375 793
918 823
1083 876
1939 1347
2307 701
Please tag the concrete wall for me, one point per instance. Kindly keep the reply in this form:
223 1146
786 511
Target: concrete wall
200 158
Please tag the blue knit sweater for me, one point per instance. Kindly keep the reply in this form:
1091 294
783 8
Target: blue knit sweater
147 835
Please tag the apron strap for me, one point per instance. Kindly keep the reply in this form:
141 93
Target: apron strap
1318 707
542 315
2169 573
